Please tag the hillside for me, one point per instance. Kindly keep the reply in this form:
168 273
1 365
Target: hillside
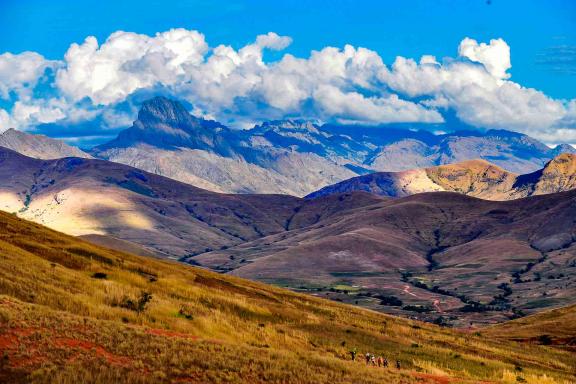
95 197
74 312
84 196
554 327
476 178
458 256
38 146
441 257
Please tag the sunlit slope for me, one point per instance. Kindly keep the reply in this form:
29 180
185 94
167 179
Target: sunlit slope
555 327
74 312
477 178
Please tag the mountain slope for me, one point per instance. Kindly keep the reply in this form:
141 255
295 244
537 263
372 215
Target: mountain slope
84 196
356 239
476 178
554 327
74 312
167 140
38 146
446 257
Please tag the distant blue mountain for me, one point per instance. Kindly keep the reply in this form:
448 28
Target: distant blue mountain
298 156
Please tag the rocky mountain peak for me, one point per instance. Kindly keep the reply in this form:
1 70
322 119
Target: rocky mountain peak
163 110
564 164
563 148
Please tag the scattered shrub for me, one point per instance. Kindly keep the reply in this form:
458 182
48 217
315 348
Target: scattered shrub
392 301
138 305
100 275
186 312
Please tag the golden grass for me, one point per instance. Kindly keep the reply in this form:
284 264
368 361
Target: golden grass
59 324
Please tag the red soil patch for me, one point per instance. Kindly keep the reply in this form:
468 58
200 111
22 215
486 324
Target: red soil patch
10 343
89 346
10 336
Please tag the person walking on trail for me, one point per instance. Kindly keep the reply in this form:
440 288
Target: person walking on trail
373 360
353 354
367 358
385 362
380 361
398 364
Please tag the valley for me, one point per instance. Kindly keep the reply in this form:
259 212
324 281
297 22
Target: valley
439 257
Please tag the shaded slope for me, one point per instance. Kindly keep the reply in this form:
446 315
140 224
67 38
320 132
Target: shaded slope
462 259
83 196
65 316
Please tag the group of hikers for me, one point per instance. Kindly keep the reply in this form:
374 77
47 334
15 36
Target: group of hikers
372 360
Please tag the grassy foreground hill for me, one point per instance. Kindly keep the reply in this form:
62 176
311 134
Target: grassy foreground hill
73 312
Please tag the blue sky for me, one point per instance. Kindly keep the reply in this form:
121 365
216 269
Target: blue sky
541 36
407 28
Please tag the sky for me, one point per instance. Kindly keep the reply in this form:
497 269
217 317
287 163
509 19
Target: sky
79 69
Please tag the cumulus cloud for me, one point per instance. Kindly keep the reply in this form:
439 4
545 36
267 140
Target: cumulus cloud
479 94
5 120
348 84
20 73
352 107
127 62
495 56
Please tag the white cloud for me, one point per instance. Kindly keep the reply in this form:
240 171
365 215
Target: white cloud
480 96
6 121
36 113
351 84
353 107
495 56
20 73
127 62
273 41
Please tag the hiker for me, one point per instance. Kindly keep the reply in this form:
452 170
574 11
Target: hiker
380 361
367 358
353 354
398 364
385 362
373 360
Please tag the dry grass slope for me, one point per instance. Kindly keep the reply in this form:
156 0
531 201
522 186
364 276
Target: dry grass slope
65 317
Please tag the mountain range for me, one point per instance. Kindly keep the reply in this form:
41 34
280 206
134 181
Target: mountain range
294 157
298 157
38 146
